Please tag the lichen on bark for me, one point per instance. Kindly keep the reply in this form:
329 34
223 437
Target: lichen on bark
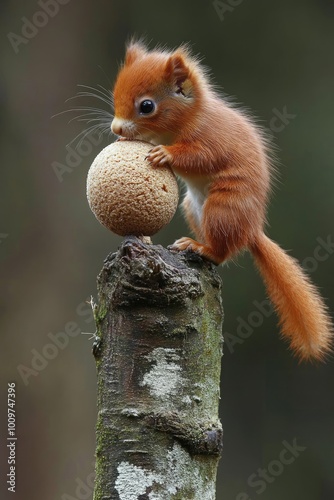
159 326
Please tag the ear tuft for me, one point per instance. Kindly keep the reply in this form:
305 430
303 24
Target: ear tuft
177 70
134 51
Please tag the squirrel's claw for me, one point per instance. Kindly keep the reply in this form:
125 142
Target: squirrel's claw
159 156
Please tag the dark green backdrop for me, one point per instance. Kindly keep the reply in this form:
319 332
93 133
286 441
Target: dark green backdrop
275 57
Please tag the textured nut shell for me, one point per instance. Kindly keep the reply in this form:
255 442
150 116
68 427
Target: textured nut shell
126 194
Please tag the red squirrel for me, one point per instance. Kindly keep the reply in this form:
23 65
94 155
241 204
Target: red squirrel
166 98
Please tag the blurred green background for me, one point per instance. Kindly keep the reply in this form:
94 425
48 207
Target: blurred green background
272 56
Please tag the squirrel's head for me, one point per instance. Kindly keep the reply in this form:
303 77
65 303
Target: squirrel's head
156 93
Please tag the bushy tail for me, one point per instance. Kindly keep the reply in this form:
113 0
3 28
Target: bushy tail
304 318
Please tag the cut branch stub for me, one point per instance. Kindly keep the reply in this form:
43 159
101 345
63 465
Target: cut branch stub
159 323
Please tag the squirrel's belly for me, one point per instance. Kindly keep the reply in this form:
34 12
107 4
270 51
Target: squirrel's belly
197 193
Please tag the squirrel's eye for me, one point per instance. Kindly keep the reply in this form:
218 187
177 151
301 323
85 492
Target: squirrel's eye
146 107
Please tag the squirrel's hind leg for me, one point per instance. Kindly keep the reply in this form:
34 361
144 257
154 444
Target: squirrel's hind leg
212 249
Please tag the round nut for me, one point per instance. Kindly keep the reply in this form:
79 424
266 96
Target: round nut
127 194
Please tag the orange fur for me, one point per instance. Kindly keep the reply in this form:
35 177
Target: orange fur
223 158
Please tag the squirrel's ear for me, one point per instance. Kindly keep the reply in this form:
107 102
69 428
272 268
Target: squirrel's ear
177 70
134 51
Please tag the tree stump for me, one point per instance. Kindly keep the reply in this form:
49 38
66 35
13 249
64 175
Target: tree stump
158 353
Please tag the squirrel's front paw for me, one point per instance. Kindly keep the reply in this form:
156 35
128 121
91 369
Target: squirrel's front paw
159 156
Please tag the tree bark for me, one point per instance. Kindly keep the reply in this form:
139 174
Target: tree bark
158 352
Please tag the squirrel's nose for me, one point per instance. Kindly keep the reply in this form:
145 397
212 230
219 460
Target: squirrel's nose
117 126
